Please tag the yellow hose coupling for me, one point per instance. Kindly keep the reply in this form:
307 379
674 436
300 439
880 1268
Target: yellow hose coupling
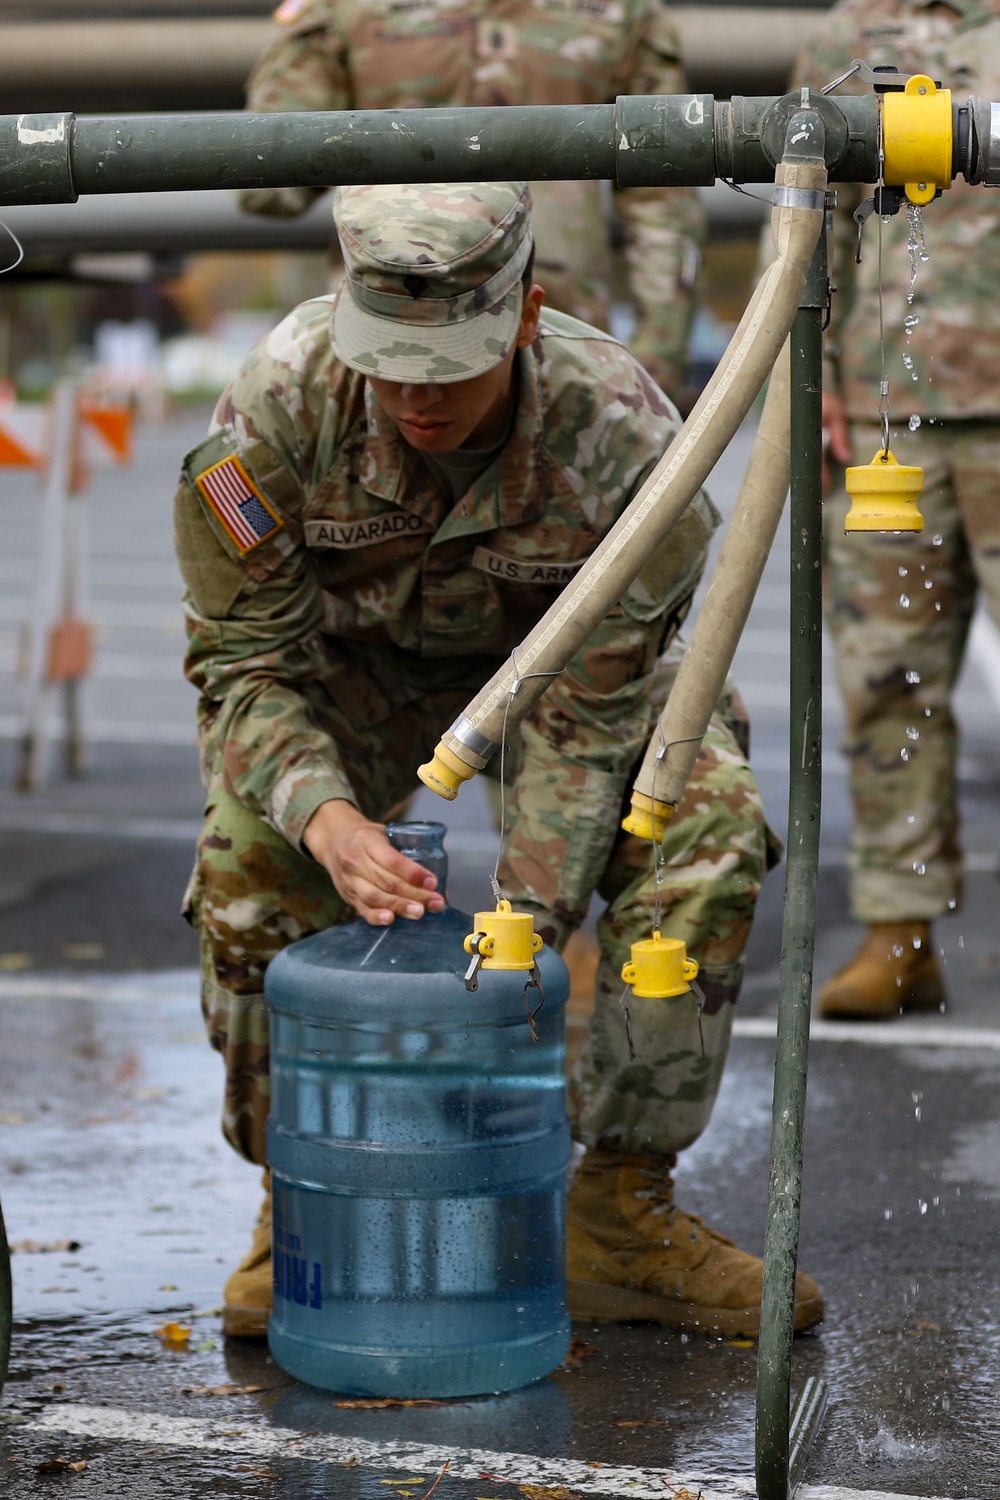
917 134
445 772
659 968
884 495
648 819
503 939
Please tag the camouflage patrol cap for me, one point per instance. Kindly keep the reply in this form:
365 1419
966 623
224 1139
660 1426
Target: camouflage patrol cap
432 292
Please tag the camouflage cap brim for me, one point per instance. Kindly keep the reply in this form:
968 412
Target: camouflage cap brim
422 353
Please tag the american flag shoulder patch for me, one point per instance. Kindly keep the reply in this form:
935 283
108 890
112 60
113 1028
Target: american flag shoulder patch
237 502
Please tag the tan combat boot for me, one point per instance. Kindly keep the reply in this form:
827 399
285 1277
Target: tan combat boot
893 970
248 1292
631 1253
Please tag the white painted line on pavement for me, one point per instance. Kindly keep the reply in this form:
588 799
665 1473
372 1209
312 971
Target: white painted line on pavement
117 731
120 989
880 1033
113 1424
181 986
28 820
270 1443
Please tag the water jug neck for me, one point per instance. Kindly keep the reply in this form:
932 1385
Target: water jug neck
423 842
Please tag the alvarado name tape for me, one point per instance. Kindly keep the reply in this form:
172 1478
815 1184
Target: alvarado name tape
365 533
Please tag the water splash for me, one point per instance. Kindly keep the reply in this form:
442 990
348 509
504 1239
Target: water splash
916 245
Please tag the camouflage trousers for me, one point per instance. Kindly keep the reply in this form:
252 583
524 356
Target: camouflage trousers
252 893
899 608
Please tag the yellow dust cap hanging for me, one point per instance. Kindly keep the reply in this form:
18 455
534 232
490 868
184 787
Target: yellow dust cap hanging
884 495
504 939
659 968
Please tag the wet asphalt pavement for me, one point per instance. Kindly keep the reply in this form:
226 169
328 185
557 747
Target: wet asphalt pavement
126 1210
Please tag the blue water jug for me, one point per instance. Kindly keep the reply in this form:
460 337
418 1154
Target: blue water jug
418 1146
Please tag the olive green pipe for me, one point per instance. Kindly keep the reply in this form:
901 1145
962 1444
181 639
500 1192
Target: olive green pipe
805 697
673 750
472 740
665 140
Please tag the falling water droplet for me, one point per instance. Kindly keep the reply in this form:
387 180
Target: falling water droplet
904 754
952 903
912 677
937 540
903 572
911 733
919 868
914 422
904 601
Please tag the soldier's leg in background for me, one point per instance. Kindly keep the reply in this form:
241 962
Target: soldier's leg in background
572 261
899 609
977 482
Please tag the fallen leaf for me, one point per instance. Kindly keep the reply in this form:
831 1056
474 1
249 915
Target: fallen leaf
738 1344
56 1465
174 1334
577 1352
546 1492
223 1390
11 1119
168 1286
640 1422
379 1403
82 950
931 1327
43 1247
12 961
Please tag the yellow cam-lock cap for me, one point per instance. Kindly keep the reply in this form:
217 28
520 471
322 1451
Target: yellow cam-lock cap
648 818
504 939
917 133
659 968
884 495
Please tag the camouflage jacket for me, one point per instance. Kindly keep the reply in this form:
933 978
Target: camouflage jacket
953 344
396 54
312 539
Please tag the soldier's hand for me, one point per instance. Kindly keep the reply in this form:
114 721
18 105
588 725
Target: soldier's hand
373 877
837 444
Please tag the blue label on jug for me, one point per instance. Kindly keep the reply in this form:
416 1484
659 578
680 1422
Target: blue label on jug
292 1280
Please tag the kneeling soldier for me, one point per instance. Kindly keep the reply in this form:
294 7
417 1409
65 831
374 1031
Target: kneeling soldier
395 488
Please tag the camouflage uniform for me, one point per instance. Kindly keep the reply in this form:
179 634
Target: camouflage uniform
386 54
900 606
331 646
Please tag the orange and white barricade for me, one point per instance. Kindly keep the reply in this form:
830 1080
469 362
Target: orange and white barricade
63 440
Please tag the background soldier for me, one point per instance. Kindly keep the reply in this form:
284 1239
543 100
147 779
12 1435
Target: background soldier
330 644
900 606
381 54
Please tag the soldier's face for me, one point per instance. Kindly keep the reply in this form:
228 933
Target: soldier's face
440 418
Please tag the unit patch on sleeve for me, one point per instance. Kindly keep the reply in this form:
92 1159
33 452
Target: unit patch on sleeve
238 503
